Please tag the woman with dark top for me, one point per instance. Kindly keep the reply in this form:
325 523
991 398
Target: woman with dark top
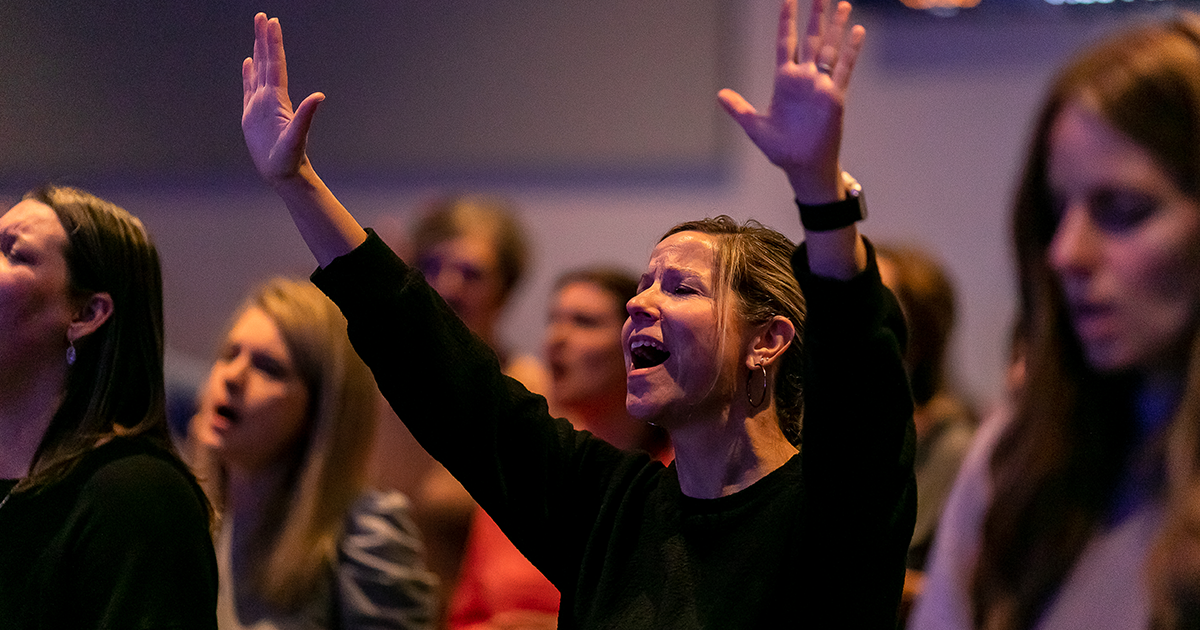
1060 500
102 525
742 530
285 426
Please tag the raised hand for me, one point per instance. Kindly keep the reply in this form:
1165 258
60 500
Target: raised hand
275 134
801 131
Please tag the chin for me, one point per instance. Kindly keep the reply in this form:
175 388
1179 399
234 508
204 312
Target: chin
643 410
1106 358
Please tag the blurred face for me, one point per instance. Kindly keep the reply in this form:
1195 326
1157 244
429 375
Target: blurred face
583 345
255 405
671 343
35 309
1126 250
464 272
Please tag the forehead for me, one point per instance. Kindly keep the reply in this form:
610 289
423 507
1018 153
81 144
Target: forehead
693 251
255 327
474 247
582 295
33 219
1086 151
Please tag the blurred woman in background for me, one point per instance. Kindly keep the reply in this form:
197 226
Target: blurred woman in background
945 423
285 426
1059 503
474 252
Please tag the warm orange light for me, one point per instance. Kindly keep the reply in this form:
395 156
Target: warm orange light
924 5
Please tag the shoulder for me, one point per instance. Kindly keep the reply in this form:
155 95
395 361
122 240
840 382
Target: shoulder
380 524
945 602
141 486
381 578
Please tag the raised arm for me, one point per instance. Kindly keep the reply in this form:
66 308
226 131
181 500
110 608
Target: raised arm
801 130
276 136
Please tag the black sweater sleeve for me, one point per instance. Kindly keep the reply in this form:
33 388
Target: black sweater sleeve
858 435
539 479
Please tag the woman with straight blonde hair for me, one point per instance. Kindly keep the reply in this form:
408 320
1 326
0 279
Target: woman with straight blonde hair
286 422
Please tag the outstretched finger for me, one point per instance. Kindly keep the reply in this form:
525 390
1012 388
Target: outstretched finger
833 35
812 34
247 81
786 41
848 56
276 68
260 48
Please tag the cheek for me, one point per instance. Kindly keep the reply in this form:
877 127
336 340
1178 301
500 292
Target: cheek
292 414
1168 277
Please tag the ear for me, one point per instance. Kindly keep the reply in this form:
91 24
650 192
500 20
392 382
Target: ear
772 340
95 311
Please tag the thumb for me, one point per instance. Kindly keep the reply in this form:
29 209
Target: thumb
738 108
302 119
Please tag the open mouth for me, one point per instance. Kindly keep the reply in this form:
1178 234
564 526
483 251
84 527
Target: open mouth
647 354
227 412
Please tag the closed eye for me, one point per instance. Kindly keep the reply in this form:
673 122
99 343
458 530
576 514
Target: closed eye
1120 210
684 289
270 366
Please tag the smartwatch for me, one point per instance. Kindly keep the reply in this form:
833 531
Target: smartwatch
823 217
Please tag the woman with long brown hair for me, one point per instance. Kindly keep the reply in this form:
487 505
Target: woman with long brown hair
102 525
1051 521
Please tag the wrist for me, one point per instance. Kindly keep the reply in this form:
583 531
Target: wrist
303 178
817 188
848 208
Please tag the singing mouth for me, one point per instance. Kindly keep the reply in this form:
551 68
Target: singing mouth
227 412
647 353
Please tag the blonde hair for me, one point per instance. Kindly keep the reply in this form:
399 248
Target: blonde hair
301 526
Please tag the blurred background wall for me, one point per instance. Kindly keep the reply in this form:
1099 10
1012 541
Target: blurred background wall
598 118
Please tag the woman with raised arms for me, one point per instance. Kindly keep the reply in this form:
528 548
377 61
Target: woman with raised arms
743 530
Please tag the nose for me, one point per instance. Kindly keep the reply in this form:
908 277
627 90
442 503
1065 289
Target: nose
447 282
1074 249
233 372
643 307
556 334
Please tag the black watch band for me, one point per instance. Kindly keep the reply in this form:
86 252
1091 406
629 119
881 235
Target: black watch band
823 217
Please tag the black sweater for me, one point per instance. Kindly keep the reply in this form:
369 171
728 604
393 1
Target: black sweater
818 543
121 542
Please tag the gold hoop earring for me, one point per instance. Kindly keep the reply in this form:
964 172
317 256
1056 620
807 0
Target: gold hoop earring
749 377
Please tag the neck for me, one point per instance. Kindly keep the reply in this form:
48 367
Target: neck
718 457
250 492
1156 399
28 400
